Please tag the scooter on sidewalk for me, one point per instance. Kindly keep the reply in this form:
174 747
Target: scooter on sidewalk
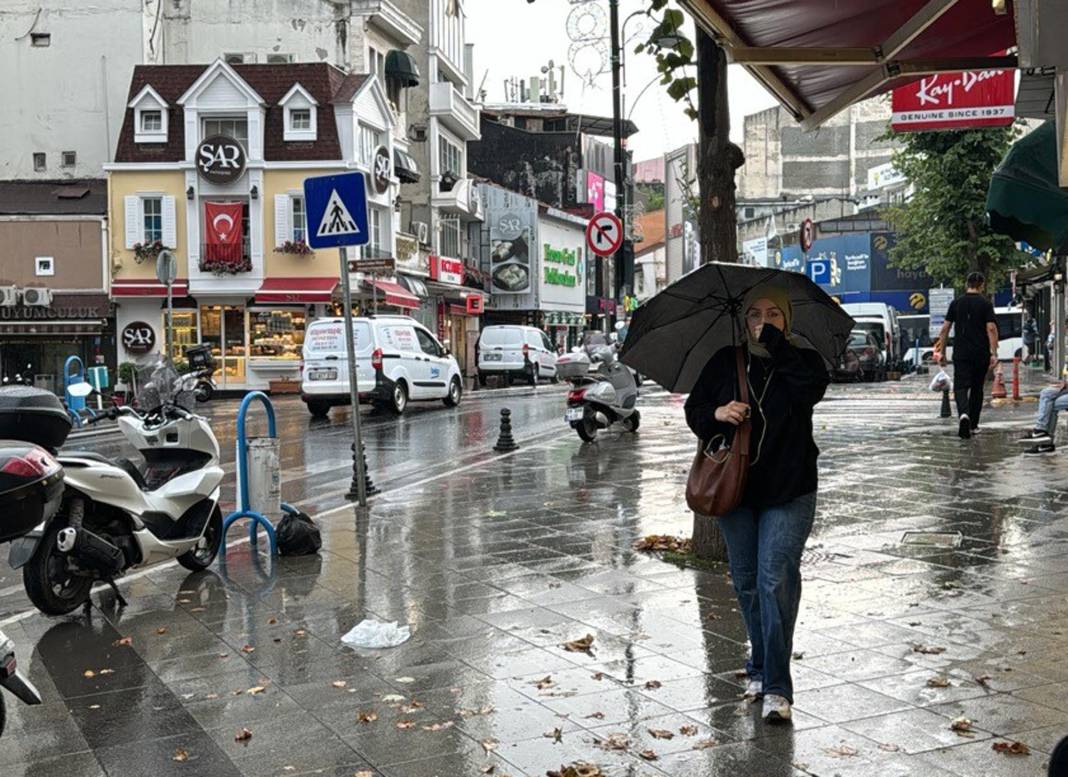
603 390
201 369
116 516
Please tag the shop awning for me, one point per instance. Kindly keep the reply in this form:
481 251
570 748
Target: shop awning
405 167
818 58
147 287
401 65
296 290
394 294
414 285
1024 200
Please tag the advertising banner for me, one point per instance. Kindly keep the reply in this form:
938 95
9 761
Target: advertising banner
887 278
563 266
974 98
841 265
939 300
595 190
513 241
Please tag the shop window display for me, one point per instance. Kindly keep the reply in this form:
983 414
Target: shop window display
276 334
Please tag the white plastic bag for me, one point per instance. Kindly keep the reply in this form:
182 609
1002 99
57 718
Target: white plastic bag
941 382
376 634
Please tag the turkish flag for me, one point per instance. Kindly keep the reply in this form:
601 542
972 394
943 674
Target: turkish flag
223 222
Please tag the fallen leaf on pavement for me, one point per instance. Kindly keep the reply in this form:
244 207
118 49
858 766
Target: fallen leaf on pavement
180 755
124 642
198 609
94 706
983 680
488 768
741 673
392 698
405 724
339 683
1011 748
489 745
543 683
662 542
556 735
89 673
212 696
243 735
584 645
272 621
412 706
255 690
652 685
405 680
661 733
962 726
704 744
470 713
613 742
928 650
248 649
367 716
106 671
597 675
938 682
798 655
364 773
688 731
299 633
886 747
439 726
841 751
596 715
648 755
161 630
577 769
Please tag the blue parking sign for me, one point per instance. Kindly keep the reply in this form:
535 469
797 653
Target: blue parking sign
819 271
336 208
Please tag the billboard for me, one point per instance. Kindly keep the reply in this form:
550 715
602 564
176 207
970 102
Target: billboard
951 101
887 278
841 265
512 220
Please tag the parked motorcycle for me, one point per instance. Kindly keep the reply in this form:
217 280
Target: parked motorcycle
31 490
603 389
116 516
201 369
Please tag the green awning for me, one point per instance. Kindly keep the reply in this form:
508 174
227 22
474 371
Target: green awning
1025 200
400 65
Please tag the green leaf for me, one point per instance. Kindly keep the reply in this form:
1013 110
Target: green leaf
685 48
640 48
673 19
691 112
680 87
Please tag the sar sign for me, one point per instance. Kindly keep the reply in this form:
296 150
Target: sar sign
220 159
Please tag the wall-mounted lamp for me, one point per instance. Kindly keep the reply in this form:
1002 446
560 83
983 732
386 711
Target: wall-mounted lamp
189 193
254 192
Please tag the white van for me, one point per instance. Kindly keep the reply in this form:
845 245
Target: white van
1010 332
881 320
515 351
397 360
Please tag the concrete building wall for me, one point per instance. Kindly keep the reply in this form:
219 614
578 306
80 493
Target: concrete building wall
75 245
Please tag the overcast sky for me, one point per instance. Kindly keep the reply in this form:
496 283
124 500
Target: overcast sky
514 38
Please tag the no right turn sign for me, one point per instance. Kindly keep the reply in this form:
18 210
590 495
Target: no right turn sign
604 233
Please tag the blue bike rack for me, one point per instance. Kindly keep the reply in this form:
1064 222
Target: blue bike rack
74 372
244 509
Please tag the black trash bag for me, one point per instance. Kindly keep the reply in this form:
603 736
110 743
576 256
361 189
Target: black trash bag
298 535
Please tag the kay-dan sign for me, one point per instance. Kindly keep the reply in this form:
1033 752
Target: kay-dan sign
950 101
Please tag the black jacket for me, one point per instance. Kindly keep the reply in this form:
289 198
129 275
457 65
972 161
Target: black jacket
782 456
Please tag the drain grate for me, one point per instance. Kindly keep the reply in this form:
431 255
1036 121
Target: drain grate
937 539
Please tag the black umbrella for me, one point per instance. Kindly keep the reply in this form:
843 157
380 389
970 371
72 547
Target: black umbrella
674 334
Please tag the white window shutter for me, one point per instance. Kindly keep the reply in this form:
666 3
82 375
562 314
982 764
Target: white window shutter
170 224
282 216
132 206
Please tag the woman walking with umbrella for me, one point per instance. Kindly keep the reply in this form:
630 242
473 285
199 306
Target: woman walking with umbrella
761 379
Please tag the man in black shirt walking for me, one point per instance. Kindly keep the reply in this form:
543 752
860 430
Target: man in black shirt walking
975 350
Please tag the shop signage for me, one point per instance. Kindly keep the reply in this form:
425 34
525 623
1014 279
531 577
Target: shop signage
938 301
138 337
382 169
595 190
373 266
974 98
68 312
474 305
220 159
512 220
560 266
446 270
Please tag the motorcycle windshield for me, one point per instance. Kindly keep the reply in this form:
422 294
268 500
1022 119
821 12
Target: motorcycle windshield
158 383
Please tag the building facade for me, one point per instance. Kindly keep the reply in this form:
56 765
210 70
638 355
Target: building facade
210 165
53 280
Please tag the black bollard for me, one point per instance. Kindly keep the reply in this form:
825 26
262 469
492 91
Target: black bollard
505 442
372 489
947 412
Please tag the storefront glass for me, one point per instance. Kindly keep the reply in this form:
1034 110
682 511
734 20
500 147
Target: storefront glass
276 334
223 328
185 332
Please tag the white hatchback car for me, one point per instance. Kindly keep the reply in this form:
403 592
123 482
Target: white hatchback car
515 351
397 360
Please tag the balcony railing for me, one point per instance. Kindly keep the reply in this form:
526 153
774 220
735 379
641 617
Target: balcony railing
226 259
454 110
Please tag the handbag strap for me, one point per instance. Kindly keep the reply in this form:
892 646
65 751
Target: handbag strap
743 394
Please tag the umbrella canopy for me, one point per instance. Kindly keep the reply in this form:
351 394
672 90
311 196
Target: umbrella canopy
673 335
1025 200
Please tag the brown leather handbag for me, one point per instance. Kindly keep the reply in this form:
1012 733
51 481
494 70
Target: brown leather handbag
717 478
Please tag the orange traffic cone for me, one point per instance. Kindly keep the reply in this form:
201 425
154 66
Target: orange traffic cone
999 391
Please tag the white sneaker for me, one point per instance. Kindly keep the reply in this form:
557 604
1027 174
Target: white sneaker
776 709
754 689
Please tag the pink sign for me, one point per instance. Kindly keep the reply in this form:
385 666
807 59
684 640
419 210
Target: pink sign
595 190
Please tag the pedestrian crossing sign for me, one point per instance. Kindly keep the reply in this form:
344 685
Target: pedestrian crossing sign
337 210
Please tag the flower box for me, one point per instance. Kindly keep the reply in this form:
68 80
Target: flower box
298 247
284 386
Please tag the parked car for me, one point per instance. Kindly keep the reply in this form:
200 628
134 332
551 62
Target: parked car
882 320
515 351
863 359
397 361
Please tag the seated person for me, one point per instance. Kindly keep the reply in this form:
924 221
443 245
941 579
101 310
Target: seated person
1051 401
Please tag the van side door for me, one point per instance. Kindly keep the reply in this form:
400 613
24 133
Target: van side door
436 365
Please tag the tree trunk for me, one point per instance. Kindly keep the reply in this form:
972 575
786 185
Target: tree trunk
718 159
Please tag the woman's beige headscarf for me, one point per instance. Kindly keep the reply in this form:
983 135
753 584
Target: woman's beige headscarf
781 298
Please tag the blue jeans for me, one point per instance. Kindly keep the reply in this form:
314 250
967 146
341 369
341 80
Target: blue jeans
1050 402
764 549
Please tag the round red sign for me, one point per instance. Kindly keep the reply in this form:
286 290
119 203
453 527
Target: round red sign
808 234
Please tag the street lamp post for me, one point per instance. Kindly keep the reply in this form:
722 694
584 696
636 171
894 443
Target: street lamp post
617 140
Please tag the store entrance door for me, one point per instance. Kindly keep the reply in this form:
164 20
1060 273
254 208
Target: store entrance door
223 328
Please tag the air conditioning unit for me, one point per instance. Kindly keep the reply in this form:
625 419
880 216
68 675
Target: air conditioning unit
422 231
36 297
9 296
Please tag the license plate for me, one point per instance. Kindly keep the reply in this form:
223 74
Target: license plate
573 414
493 357
325 374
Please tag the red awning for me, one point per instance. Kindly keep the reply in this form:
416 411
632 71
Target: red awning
296 290
818 57
147 287
395 294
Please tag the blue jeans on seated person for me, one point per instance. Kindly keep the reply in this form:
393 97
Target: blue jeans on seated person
764 550
1050 402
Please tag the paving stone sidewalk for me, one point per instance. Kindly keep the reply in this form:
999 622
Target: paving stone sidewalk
497 566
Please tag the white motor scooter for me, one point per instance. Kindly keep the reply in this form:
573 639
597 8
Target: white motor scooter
117 516
603 390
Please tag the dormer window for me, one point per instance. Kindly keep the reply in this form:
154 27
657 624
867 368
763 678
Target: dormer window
300 114
150 116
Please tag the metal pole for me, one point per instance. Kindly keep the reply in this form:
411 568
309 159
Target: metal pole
1058 326
170 320
617 139
354 391
374 293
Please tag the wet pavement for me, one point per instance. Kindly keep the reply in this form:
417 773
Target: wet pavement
497 561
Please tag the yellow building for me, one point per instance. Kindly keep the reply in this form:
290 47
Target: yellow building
210 164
